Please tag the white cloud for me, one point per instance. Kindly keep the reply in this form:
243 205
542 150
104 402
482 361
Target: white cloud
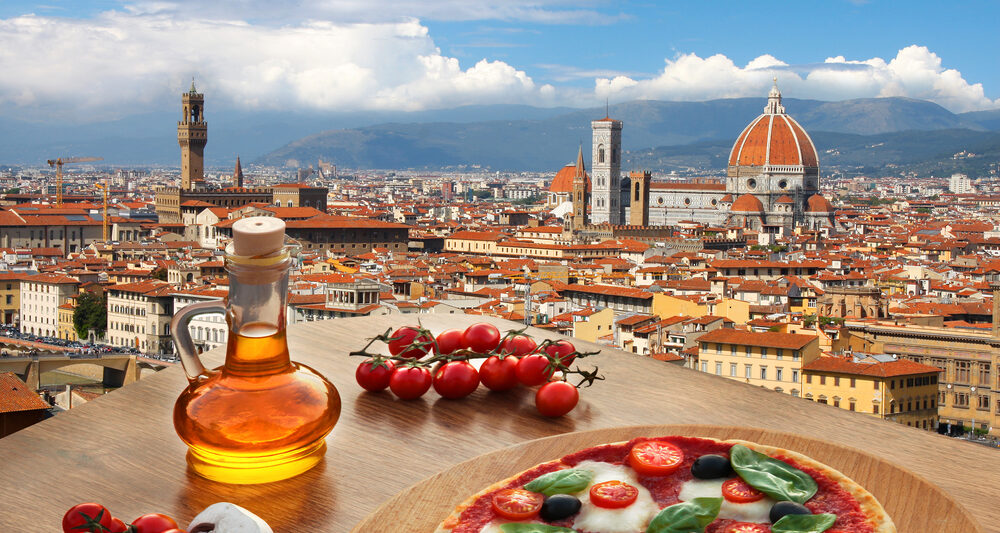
915 72
122 62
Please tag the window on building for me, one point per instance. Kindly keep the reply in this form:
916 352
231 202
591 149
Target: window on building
704 366
962 371
836 381
852 405
875 384
778 373
748 371
853 382
984 402
795 355
732 350
836 401
763 372
763 352
875 408
809 378
795 376
984 374
961 399
718 369
732 370
778 353
822 380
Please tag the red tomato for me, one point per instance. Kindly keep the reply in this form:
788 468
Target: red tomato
153 523
117 526
481 337
456 379
499 374
449 341
87 517
409 383
556 398
517 504
738 491
175 531
562 351
402 339
518 345
534 370
613 494
747 527
374 377
655 458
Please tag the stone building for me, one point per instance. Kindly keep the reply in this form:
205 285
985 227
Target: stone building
300 195
41 296
857 302
139 316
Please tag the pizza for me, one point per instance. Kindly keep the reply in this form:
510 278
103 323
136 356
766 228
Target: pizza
674 484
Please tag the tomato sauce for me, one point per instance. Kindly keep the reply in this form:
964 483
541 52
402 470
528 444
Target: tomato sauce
829 498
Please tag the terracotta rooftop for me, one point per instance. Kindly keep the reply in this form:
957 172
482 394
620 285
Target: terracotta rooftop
15 395
792 341
899 367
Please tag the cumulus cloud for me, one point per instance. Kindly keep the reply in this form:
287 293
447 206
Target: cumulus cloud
915 72
121 62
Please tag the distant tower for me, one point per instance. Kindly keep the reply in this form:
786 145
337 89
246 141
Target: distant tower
606 171
579 193
639 210
238 174
192 135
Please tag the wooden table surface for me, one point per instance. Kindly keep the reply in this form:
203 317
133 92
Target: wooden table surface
121 449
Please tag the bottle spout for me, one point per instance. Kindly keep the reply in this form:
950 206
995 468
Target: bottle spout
258 236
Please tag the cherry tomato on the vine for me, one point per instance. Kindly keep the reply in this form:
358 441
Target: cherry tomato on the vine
562 349
409 382
518 345
533 370
449 341
403 337
481 337
86 518
499 374
556 398
153 523
374 377
456 379
117 526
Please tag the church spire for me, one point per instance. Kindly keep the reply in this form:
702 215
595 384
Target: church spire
580 170
238 174
774 106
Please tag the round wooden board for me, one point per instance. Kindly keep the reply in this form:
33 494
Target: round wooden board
915 504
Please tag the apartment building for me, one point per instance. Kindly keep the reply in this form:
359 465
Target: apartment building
139 316
766 359
41 296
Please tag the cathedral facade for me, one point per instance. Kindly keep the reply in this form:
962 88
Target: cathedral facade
771 184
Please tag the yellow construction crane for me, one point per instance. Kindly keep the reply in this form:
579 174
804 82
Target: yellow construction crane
58 164
104 218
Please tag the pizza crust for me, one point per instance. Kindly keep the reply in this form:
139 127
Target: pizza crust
878 518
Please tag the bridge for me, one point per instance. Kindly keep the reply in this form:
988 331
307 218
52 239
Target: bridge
113 370
12 346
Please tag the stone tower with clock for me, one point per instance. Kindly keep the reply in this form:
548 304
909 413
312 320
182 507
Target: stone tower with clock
192 135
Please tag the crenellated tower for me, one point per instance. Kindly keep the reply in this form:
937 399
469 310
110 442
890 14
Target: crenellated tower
192 136
639 210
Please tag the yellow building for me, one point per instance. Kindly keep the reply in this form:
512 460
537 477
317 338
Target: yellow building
902 391
767 359
595 326
665 305
10 297
66 329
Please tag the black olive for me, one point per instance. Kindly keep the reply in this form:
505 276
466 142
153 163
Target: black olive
711 466
559 506
781 509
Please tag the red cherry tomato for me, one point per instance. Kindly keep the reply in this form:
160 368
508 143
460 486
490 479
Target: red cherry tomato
374 377
175 531
655 458
499 374
562 351
153 523
449 341
518 345
456 379
404 337
481 337
747 527
556 398
613 494
738 491
117 526
534 370
86 518
409 383
517 504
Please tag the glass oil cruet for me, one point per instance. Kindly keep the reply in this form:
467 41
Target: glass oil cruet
260 417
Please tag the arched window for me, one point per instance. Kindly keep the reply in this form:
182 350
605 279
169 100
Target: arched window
600 153
637 191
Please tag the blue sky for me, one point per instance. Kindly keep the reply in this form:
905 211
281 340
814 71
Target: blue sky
122 57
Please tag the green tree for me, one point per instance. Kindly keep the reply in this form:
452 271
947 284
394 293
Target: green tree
160 274
91 314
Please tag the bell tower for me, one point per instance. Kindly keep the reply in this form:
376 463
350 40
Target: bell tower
192 135
606 173
579 193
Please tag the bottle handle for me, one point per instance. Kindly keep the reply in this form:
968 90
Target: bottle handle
182 335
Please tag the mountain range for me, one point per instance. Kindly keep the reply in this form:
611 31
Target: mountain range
657 135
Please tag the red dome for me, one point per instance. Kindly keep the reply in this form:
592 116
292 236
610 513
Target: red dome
818 204
774 138
785 199
747 203
563 182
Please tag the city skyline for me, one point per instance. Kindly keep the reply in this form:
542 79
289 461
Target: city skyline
101 59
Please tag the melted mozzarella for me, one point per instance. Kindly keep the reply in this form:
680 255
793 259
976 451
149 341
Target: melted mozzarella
757 511
631 519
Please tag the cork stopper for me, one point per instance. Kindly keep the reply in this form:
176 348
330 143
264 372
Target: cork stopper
257 236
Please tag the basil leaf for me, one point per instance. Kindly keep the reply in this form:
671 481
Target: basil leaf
534 528
561 482
804 523
775 478
686 517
